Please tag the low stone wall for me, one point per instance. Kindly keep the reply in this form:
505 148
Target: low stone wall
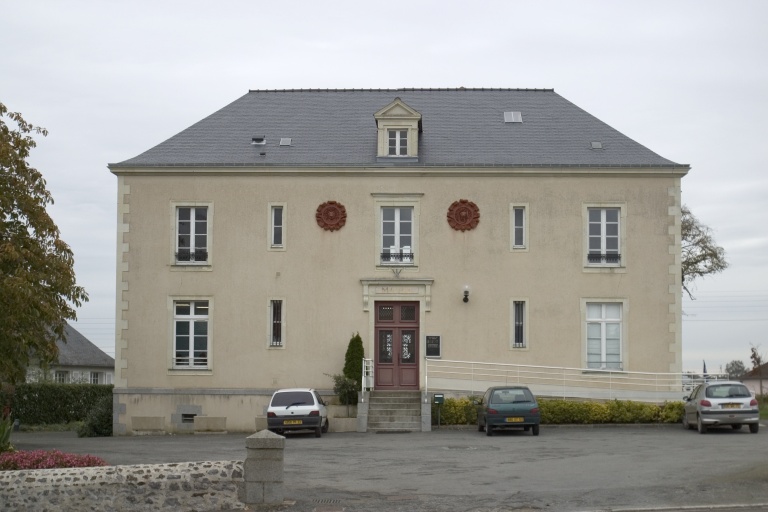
189 486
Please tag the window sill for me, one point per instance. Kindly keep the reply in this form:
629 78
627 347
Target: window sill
607 372
190 371
191 267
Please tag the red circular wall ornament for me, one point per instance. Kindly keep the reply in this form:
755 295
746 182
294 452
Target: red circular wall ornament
331 215
463 215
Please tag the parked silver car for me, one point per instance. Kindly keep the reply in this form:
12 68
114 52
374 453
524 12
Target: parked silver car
718 403
297 409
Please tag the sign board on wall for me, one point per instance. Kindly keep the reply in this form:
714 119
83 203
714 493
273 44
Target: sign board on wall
433 346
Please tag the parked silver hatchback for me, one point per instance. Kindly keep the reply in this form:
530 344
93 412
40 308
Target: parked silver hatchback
721 403
297 409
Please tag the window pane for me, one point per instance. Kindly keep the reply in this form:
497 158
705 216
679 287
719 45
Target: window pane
407 354
278 236
389 241
201 214
612 215
405 241
406 214
612 230
594 310
594 229
612 244
385 346
277 216
184 214
594 215
405 228
388 228
388 214
182 308
201 307
613 310
200 242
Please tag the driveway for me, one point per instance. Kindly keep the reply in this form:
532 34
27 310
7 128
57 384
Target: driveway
564 469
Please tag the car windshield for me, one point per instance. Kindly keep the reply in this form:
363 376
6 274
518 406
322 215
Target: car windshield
510 396
289 398
728 391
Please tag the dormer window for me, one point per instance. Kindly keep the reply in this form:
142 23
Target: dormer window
398 142
398 132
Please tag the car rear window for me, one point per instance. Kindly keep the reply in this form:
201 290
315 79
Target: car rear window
509 396
728 391
292 398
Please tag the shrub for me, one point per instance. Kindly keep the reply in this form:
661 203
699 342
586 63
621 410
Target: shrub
456 411
43 403
353 363
6 426
41 459
345 389
98 423
671 412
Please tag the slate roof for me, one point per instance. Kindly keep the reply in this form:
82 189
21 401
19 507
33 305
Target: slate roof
461 127
79 351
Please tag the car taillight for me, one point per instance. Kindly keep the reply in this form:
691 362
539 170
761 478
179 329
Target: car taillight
492 411
535 410
271 415
314 413
753 403
705 403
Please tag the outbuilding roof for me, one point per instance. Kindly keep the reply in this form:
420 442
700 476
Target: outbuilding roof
79 351
460 127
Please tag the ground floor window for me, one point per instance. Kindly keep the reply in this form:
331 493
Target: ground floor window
190 333
61 377
604 335
276 323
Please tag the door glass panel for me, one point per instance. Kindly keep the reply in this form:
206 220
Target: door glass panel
408 313
385 346
407 354
386 313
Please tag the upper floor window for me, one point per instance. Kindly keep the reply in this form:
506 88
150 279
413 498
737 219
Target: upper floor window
191 234
190 332
398 142
518 226
397 235
603 323
604 240
277 226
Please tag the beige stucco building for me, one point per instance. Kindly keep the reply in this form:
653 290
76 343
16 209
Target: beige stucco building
254 244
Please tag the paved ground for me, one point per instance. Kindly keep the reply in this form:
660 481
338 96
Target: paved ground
564 469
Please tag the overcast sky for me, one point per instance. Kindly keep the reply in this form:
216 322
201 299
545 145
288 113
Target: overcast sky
688 79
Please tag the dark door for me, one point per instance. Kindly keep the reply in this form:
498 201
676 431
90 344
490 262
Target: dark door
397 345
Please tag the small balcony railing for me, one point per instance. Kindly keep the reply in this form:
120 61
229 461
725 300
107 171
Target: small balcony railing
609 258
198 255
199 361
398 256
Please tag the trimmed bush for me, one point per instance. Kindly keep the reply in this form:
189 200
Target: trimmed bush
98 423
42 459
42 403
462 411
353 364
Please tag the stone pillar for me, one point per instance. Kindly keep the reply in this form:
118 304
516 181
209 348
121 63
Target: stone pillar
263 469
426 412
362 411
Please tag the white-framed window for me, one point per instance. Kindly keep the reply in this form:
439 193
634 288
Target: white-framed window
519 322
518 222
276 323
192 233
277 226
191 339
61 377
398 142
604 236
96 378
397 229
604 328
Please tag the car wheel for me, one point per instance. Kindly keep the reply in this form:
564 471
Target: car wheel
318 431
754 427
736 426
535 430
326 426
686 424
702 427
488 430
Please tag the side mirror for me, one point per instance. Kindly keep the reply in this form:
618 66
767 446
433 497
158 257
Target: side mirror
687 398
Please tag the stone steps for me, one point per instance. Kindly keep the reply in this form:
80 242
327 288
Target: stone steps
394 411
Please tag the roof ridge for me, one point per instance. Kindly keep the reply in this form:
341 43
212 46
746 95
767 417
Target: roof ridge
406 89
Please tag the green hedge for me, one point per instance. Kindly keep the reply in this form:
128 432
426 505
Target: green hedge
462 411
47 403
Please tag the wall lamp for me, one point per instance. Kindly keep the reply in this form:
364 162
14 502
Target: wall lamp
466 294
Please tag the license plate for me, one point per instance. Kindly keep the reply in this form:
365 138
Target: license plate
291 422
731 406
515 419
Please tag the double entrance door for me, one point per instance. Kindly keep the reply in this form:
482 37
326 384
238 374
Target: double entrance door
397 345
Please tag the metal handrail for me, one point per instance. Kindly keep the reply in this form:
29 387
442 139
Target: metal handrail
560 381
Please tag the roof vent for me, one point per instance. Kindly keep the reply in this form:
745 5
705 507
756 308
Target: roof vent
285 141
259 140
513 117
597 145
